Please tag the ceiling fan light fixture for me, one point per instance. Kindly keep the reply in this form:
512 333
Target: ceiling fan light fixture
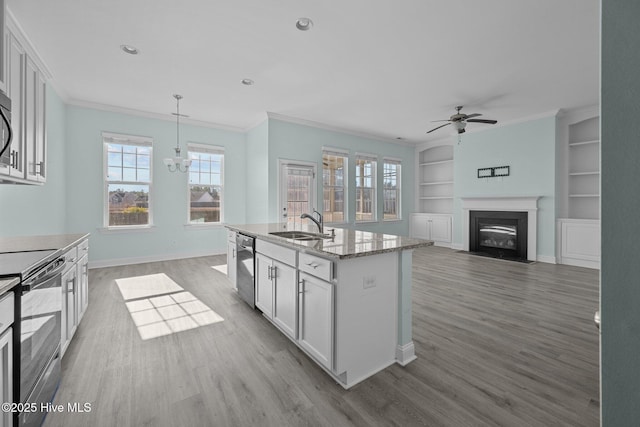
131 50
177 163
459 126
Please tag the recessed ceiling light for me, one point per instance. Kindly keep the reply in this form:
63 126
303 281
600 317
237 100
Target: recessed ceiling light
304 24
131 50
247 82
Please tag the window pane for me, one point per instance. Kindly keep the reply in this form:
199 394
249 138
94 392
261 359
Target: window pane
129 149
204 203
391 191
333 173
365 190
114 174
114 159
205 187
128 174
143 161
128 204
143 175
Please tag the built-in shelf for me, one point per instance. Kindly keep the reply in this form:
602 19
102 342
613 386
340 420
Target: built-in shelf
583 173
584 169
435 180
436 183
436 197
438 162
574 144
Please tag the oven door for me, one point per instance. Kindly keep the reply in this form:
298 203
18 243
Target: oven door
41 310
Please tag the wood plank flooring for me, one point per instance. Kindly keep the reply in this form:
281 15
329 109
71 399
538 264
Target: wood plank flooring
498 343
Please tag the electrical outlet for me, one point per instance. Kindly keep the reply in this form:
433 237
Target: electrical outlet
368 282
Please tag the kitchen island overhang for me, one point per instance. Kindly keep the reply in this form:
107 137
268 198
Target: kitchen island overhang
349 295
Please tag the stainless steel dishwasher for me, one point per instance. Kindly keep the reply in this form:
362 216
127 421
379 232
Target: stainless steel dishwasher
245 268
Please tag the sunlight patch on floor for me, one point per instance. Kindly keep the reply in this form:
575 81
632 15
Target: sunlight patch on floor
221 268
159 306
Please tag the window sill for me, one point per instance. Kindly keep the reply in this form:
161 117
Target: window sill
127 229
393 220
203 225
367 222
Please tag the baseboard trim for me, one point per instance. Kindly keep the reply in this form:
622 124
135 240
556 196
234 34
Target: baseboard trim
457 246
145 259
547 259
580 263
405 354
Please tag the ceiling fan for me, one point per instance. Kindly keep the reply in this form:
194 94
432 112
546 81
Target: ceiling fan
460 120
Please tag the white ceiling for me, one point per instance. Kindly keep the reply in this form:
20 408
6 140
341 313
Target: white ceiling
382 67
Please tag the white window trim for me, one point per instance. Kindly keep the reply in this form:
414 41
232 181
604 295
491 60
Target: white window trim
344 153
393 160
117 138
207 149
374 180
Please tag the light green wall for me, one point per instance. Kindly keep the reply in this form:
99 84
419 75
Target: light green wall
529 149
620 208
257 174
169 236
299 142
33 209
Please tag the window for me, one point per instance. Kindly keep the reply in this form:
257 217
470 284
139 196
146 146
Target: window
206 183
127 180
366 187
334 170
391 189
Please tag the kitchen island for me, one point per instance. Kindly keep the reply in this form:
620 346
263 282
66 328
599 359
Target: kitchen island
344 298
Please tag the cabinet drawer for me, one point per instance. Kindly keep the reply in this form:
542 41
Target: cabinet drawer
316 266
231 236
279 253
71 256
6 311
83 248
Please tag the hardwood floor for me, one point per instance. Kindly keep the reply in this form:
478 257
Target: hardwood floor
498 343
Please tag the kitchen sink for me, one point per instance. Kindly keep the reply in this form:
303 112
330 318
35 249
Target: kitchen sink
300 235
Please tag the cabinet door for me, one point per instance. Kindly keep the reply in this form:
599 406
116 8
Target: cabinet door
316 318
15 85
69 306
264 285
285 299
41 128
440 228
6 375
419 227
82 273
29 125
232 267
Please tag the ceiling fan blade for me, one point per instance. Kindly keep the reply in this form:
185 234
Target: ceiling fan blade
441 126
473 115
489 122
433 121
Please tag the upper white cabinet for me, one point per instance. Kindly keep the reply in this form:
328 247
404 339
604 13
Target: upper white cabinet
435 180
26 86
584 169
3 44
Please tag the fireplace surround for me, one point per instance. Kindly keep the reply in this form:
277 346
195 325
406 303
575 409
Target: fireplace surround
528 204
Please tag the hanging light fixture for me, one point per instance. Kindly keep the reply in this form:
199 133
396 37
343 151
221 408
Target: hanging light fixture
177 163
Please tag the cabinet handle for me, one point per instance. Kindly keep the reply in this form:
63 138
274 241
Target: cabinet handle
274 272
313 265
269 272
40 168
234 253
72 287
301 287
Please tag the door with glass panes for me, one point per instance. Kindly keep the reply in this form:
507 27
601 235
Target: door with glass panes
297 192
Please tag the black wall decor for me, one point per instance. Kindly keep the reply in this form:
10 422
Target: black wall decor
493 172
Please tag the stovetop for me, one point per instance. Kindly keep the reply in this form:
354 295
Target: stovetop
23 263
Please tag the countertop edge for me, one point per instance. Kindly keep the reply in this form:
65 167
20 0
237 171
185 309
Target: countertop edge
293 244
8 283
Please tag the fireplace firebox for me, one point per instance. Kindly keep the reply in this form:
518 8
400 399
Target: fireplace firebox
499 234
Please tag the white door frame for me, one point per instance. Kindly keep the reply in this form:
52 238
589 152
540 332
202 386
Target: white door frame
282 163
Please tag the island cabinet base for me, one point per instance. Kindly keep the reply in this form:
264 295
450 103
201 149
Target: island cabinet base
366 316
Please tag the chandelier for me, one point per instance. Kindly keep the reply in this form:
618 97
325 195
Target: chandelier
177 163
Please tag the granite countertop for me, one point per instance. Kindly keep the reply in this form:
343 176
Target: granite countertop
40 243
7 283
346 243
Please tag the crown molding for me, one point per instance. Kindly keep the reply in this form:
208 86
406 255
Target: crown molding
318 125
149 115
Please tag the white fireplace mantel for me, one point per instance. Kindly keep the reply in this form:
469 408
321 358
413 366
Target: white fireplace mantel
527 204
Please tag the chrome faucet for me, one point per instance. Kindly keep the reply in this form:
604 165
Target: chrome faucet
319 222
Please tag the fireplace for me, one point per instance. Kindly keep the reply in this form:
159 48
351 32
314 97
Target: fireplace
499 234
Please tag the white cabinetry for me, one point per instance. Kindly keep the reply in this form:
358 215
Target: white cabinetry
436 227
232 267
3 44
276 290
75 291
6 355
316 318
26 86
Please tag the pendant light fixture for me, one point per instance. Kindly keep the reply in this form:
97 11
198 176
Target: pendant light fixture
177 163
